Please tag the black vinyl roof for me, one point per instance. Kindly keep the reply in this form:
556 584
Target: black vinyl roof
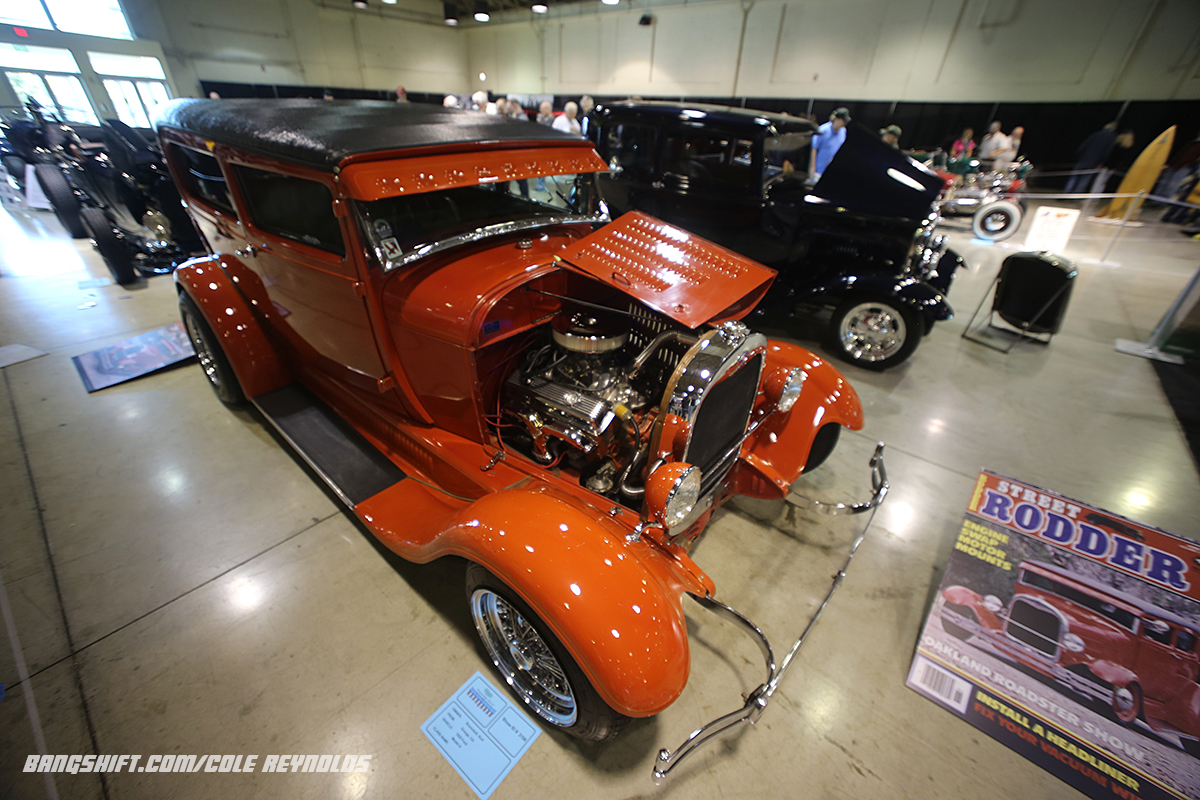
321 133
768 122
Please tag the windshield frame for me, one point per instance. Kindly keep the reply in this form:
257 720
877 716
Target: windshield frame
377 242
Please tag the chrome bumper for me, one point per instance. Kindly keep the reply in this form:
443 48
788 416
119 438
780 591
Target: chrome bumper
756 701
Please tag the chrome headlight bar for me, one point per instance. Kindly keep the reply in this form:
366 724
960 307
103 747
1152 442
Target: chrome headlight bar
756 702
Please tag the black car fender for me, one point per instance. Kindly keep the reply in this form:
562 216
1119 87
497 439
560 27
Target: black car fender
920 296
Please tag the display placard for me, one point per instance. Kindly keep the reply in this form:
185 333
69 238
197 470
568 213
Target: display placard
1051 228
1071 635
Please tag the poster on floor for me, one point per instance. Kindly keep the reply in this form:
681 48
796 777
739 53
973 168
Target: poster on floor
1070 634
133 358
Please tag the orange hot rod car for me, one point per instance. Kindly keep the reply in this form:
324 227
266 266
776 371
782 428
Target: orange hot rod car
1137 658
482 368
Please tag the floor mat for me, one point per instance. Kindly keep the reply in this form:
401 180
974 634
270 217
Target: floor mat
1181 383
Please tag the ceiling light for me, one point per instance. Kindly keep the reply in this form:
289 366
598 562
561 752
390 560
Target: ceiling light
610 2
481 11
540 8
390 2
359 3
450 10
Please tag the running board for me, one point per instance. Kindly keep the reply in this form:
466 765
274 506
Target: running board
352 466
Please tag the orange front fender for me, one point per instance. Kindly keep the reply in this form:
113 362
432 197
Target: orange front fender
774 458
615 605
962 596
255 361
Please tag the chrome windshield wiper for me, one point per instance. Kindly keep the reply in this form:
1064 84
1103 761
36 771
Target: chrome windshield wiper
486 232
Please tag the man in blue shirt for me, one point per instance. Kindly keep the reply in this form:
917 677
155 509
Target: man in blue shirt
827 141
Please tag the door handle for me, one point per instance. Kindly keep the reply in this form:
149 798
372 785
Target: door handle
249 251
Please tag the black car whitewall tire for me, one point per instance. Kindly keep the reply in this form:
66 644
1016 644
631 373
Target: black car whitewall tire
534 664
873 332
114 251
997 221
209 353
62 199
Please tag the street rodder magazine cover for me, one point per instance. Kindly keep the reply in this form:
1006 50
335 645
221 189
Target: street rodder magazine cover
1070 635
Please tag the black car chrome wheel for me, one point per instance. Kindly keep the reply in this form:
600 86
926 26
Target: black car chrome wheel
534 664
874 333
208 352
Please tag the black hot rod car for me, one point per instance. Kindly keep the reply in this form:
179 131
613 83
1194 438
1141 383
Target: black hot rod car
860 241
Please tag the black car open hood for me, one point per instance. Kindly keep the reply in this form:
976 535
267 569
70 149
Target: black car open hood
870 176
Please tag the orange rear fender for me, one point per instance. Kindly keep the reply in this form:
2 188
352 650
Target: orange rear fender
254 359
615 605
775 457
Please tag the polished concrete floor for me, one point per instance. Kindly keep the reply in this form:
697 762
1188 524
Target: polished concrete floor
179 583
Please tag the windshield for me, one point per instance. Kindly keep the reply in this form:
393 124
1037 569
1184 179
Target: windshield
403 229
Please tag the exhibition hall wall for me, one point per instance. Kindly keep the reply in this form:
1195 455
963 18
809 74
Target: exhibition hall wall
893 50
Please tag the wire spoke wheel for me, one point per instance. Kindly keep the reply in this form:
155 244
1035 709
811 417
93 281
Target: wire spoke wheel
523 657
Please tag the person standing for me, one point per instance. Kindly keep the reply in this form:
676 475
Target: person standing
567 122
545 115
964 146
1090 154
891 135
586 104
828 140
994 143
1006 157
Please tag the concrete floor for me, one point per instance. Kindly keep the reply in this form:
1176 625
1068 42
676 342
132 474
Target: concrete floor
179 583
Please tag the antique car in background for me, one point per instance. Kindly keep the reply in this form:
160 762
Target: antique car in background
861 241
559 401
117 192
1137 658
992 199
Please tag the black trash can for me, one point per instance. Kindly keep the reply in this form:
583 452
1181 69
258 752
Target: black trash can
1032 291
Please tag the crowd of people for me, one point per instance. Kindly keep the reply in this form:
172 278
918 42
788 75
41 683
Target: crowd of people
572 119
1100 158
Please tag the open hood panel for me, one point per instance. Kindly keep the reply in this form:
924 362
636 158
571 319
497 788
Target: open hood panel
689 279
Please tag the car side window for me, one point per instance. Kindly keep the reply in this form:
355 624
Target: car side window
1185 641
203 178
294 208
710 162
1163 633
630 149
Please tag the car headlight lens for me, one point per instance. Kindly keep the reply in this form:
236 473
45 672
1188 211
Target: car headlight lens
1073 643
671 493
790 392
993 603
683 496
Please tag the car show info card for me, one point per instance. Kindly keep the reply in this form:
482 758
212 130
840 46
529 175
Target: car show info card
481 733
1070 635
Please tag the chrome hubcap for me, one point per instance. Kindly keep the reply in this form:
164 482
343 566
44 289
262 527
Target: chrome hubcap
523 658
995 222
202 354
1124 699
872 332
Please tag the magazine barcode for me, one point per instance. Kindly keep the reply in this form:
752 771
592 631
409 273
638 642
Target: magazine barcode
942 683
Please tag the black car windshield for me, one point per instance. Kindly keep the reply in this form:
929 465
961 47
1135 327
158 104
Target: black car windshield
405 228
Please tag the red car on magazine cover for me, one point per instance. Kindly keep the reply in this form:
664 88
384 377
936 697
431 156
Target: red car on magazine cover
483 368
1138 658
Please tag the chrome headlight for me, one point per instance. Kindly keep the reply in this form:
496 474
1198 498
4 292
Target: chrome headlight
790 392
682 498
671 493
1073 643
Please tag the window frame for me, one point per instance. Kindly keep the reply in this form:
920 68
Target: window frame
179 162
287 243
